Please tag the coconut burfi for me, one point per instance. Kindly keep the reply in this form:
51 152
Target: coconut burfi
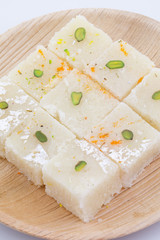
127 139
145 98
82 179
120 68
79 42
40 72
35 142
15 107
79 103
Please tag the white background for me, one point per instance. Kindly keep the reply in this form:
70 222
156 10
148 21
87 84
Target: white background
13 12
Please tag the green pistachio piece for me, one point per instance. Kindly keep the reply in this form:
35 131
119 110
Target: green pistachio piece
80 34
50 61
38 73
41 137
3 105
156 95
127 134
67 52
80 165
115 64
76 97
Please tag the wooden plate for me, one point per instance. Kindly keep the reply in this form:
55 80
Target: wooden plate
26 207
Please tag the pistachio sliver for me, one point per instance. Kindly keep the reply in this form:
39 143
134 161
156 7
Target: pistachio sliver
115 64
80 34
80 165
76 97
67 52
3 105
38 73
156 95
127 134
41 136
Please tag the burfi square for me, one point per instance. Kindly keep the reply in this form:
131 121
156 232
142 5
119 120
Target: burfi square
128 140
79 42
35 142
78 103
82 179
120 68
145 98
40 72
15 107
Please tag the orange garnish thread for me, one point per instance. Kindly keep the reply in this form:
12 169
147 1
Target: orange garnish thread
60 69
123 50
93 69
114 142
104 135
69 68
94 141
140 80
40 51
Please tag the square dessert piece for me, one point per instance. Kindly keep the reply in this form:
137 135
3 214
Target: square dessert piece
79 103
40 72
15 107
145 98
127 139
79 42
120 68
82 179
35 142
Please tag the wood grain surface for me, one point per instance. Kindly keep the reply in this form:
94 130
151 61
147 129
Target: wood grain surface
27 208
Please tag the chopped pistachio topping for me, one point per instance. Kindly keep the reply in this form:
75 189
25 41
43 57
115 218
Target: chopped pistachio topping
115 64
76 97
67 52
127 134
38 73
156 95
80 34
41 136
50 61
3 105
53 76
80 165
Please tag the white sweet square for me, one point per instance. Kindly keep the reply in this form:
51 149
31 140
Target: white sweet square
127 139
79 103
79 42
125 68
145 98
82 179
35 142
39 73
15 107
